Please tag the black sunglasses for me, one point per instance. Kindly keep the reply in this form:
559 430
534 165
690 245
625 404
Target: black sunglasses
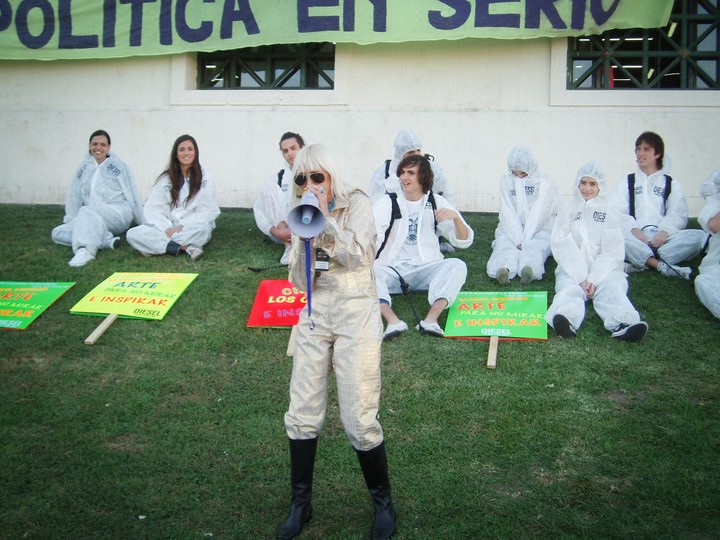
316 177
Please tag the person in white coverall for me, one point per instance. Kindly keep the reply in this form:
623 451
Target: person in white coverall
408 246
273 202
340 329
587 243
385 179
707 284
654 219
101 203
181 210
528 203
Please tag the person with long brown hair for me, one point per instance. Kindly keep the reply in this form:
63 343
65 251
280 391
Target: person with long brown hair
181 210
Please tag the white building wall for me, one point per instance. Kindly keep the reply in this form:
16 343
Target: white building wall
470 101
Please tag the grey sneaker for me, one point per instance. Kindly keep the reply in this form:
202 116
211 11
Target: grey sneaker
503 276
446 247
526 275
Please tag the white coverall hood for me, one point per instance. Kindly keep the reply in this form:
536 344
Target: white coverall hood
593 169
711 186
405 141
521 158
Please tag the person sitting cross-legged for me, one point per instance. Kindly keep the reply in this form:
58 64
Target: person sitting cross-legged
655 214
409 224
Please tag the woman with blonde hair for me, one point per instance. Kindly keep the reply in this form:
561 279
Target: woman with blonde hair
343 332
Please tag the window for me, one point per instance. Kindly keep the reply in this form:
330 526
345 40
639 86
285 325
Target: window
684 55
272 67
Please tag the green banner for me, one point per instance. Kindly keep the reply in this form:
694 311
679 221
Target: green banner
508 315
81 29
138 295
21 302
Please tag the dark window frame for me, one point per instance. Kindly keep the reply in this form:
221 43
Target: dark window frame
302 66
683 55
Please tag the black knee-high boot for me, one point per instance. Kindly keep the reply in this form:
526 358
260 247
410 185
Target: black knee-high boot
302 464
375 470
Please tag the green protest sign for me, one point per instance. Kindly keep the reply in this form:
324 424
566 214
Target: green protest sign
21 302
506 314
136 295
82 29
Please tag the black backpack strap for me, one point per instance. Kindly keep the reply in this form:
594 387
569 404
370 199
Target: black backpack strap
387 168
433 204
395 213
281 172
666 192
631 193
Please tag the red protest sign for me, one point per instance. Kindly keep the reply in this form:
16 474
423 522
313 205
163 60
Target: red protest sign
277 303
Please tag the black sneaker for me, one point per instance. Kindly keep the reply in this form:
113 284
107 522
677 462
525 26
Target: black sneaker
632 332
563 328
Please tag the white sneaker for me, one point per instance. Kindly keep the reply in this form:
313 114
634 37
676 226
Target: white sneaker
432 329
671 270
394 330
81 258
285 259
194 252
629 268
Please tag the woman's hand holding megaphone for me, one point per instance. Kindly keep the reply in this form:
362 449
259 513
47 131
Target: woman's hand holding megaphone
322 197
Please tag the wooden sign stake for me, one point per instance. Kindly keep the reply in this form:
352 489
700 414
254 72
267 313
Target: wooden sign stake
492 352
92 338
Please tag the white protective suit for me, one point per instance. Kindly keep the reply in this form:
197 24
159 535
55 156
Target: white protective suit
344 331
102 202
273 202
707 284
442 278
196 216
682 244
587 243
381 183
527 211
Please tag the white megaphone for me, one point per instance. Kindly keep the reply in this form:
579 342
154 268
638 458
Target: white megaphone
306 219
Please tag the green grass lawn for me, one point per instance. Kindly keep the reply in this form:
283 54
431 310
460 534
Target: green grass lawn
174 428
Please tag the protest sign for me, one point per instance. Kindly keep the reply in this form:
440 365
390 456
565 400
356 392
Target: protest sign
63 29
138 295
277 303
506 315
21 302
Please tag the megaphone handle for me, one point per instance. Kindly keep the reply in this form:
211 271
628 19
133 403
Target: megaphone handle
308 276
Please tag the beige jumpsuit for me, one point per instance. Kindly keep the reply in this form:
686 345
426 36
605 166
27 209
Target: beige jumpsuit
344 331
